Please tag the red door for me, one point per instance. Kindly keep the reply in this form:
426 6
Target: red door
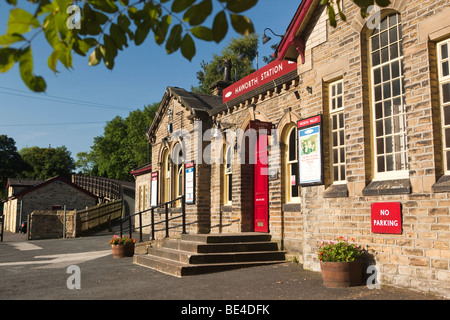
261 186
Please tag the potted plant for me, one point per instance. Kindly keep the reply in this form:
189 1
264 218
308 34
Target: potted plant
341 263
122 246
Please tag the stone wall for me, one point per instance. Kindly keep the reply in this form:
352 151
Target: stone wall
48 224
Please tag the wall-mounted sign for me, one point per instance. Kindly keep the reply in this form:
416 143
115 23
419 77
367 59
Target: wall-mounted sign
154 189
386 217
310 159
189 182
264 75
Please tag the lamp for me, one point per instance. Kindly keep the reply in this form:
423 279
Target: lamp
266 38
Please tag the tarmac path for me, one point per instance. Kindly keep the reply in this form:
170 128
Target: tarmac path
84 269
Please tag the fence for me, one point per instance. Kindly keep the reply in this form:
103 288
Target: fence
93 218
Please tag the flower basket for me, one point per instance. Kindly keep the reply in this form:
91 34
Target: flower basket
122 246
118 250
341 263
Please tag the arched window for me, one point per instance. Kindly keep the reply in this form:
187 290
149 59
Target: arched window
165 179
291 165
178 182
228 176
386 66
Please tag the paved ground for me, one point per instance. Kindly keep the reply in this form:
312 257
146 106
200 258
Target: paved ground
31 270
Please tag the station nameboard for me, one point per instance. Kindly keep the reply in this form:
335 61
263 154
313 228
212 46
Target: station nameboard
262 76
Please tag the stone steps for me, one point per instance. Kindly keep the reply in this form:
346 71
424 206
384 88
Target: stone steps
198 254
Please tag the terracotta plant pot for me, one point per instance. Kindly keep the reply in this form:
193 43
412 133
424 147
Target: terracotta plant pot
118 250
341 274
129 249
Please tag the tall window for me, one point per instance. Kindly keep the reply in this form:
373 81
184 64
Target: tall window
337 132
388 99
291 160
228 175
444 86
165 197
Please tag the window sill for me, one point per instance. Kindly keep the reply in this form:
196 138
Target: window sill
336 191
387 187
442 185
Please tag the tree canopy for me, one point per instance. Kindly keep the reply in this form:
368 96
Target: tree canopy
241 51
122 147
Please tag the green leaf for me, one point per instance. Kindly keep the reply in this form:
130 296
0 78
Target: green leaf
188 47
141 33
242 24
181 5
21 21
95 57
202 33
174 41
34 83
105 5
53 60
8 39
239 6
119 37
160 29
198 13
7 59
220 26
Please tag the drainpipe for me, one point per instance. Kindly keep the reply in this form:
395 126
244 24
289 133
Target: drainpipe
64 225
20 212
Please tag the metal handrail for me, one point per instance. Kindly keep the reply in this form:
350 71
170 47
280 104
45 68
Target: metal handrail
153 223
2 220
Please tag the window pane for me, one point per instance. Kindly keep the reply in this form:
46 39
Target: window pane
379 110
378 93
335 156
389 146
396 88
390 163
335 126
379 128
377 76
386 90
384 39
342 155
448 160
292 149
447 138
336 173
380 146
385 55
445 69
387 108
381 167
395 69
444 51
393 34
341 134
447 115
394 51
376 58
375 43
341 120
446 92
386 73
342 173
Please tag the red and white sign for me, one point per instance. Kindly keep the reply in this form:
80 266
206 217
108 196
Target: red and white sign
386 218
309 121
264 75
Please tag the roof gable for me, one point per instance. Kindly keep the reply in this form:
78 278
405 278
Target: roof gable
47 182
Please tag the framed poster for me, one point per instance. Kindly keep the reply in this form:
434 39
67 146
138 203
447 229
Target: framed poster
189 182
310 155
154 190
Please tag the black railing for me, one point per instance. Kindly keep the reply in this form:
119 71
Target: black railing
152 224
2 221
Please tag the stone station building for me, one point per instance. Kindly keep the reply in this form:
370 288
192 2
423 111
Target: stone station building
378 91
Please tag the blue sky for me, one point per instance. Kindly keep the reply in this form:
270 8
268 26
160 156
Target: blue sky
140 77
